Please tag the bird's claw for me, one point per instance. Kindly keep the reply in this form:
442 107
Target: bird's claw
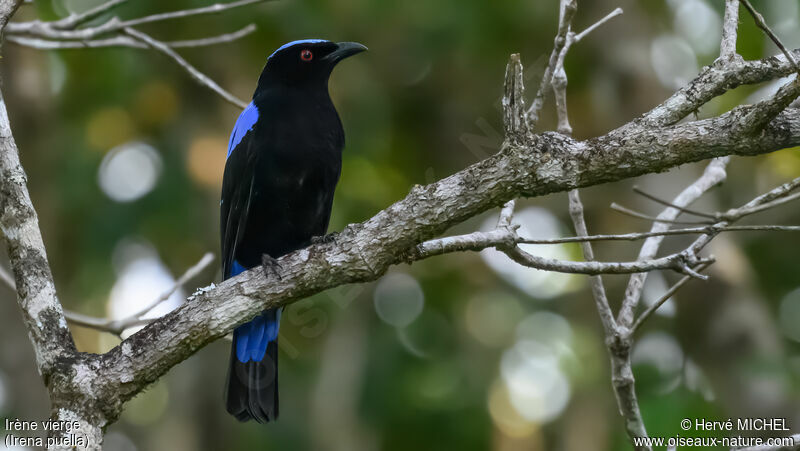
325 239
271 266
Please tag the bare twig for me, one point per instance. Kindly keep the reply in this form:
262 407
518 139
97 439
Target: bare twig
643 235
759 19
118 326
594 26
635 214
47 30
568 8
596 282
505 239
127 41
73 20
213 9
764 111
213 40
661 201
737 213
680 262
768 205
712 176
196 74
67 34
664 298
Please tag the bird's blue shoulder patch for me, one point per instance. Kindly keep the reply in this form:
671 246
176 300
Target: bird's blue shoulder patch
301 41
244 124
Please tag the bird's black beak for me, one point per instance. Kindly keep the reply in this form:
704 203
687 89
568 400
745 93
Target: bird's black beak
343 50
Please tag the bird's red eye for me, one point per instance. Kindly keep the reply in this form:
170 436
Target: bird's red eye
306 55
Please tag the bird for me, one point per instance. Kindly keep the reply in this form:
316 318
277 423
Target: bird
284 161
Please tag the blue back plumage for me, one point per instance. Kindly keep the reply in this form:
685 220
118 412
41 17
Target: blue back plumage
247 119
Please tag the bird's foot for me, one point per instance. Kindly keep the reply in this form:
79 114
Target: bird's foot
325 239
271 266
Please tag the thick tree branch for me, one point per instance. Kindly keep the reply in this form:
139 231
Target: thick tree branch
715 80
7 10
36 292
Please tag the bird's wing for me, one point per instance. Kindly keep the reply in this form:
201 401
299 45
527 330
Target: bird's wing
237 189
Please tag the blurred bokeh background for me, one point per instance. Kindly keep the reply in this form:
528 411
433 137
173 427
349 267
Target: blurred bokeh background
124 154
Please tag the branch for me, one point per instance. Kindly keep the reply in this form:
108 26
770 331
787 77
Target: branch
713 81
657 219
196 74
578 37
126 41
616 341
54 30
664 298
712 176
118 326
506 240
73 20
737 213
712 228
7 10
765 206
66 34
730 25
656 199
36 292
759 19
568 9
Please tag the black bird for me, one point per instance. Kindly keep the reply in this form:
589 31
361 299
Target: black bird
284 160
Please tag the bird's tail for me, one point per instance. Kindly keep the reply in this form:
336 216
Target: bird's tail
252 386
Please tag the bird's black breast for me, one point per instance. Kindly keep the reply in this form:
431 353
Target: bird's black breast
279 180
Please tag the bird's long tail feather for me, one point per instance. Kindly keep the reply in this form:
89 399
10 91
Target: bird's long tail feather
252 386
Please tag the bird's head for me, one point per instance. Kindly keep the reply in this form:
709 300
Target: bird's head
309 61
